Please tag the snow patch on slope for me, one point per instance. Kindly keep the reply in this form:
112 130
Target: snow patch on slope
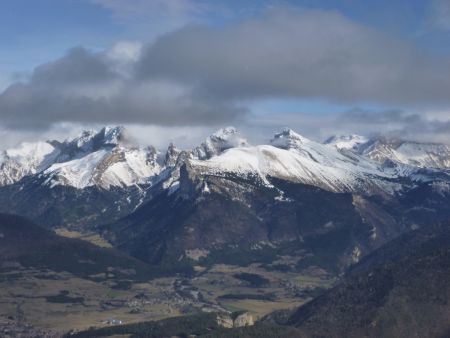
106 168
76 173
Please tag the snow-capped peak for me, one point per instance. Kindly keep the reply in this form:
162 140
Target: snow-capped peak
295 158
106 158
221 140
350 142
288 139
90 140
26 159
103 158
113 135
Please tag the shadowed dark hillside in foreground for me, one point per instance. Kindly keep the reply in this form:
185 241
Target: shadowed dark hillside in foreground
23 242
401 290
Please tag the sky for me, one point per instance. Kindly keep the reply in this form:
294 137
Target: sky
176 70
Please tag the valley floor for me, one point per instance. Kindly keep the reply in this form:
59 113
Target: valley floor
61 302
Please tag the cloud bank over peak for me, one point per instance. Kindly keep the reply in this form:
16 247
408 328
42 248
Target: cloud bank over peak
202 75
88 87
298 53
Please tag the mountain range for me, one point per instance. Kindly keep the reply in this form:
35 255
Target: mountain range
292 206
108 158
230 195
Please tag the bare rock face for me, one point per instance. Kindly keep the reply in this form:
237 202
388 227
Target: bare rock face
171 157
245 319
226 320
189 180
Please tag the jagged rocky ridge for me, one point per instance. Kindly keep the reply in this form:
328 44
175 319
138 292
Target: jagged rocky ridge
384 149
104 159
225 198
294 198
93 178
108 159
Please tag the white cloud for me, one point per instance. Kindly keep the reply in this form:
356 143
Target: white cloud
123 55
144 135
125 51
160 137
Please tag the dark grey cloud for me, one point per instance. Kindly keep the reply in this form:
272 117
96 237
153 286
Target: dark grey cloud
299 53
395 123
202 75
384 117
24 106
78 66
84 87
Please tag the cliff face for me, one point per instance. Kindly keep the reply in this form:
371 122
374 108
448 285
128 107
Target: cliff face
234 321
244 319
